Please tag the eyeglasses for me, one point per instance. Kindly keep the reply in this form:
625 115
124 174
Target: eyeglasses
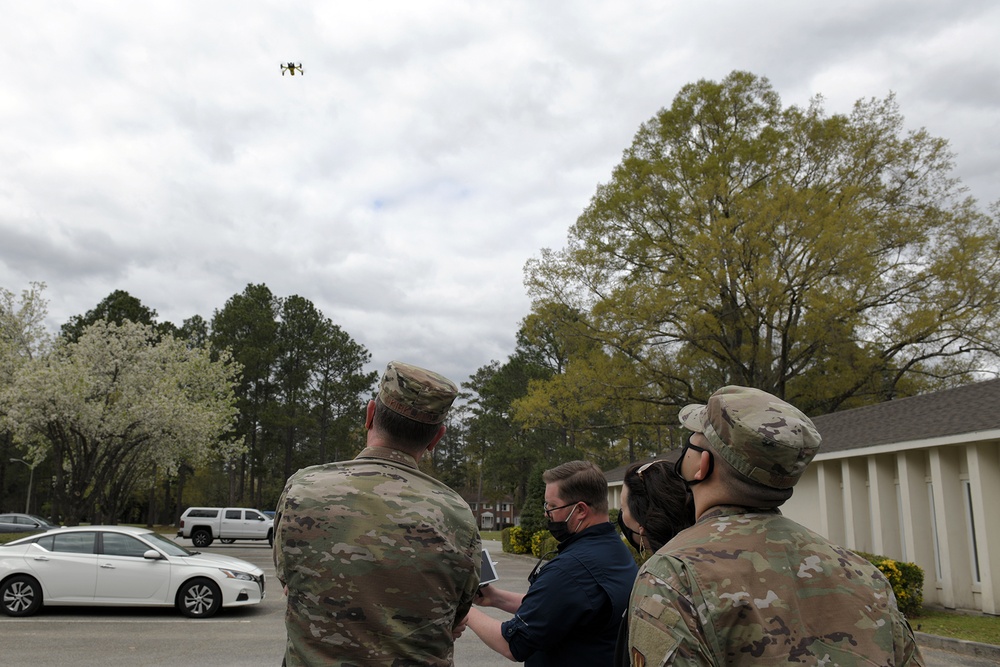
549 510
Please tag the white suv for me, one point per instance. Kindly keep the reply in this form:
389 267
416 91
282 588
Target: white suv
202 525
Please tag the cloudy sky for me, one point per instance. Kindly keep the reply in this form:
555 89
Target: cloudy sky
430 149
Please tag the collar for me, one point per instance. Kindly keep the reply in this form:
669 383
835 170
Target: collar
731 510
594 530
388 454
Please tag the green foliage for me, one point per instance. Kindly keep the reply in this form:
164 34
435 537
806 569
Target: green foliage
117 307
830 259
501 452
542 543
907 581
532 517
516 540
301 392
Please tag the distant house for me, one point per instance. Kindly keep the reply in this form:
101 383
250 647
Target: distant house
915 479
493 514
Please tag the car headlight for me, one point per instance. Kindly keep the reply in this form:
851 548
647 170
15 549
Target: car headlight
236 574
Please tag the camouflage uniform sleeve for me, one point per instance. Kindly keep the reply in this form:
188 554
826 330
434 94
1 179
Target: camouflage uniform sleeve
908 653
276 551
664 628
472 584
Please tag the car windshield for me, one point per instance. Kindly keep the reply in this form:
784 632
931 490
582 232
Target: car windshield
166 545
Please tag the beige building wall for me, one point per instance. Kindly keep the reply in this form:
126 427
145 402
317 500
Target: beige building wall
935 503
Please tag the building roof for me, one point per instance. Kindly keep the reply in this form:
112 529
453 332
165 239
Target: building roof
968 409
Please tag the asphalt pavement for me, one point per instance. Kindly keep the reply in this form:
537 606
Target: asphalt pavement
254 636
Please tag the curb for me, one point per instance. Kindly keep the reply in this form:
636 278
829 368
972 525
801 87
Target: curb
962 646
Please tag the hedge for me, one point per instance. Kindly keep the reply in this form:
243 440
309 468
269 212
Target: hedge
907 580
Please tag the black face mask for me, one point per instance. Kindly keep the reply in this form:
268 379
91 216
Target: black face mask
680 461
560 529
629 534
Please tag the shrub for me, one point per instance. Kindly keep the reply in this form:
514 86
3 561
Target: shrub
542 542
518 542
907 580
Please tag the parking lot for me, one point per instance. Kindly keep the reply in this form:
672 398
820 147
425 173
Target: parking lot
241 637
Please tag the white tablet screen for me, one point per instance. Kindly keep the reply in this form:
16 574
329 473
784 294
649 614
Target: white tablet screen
489 572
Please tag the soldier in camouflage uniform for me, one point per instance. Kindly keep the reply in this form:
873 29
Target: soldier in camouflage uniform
380 560
745 585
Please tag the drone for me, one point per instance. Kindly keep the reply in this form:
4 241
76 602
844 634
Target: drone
291 68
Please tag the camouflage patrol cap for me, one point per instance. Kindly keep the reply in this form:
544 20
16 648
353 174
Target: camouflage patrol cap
417 393
763 437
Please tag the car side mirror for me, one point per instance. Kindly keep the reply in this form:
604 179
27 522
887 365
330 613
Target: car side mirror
152 554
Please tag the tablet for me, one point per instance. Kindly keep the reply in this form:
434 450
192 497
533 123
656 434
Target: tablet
489 572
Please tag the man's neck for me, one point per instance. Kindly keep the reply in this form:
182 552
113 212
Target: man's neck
376 440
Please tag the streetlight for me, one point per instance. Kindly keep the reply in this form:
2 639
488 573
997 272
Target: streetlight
31 478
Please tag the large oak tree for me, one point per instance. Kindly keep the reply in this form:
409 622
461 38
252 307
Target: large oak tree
830 259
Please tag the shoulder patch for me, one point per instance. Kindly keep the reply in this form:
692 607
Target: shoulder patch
650 638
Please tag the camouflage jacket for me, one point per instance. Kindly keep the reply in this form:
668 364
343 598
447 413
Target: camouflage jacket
380 561
741 588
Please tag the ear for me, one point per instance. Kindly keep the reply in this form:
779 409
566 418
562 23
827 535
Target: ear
704 465
369 415
437 436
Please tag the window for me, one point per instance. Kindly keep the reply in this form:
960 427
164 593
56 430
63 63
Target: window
203 513
116 544
902 523
970 520
254 516
74 543
234 514
934 532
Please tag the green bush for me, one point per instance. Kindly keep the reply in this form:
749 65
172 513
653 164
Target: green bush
542 542
517 540
907 580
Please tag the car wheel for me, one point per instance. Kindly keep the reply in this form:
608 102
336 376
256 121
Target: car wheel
20 595
227 540
199 598
270 538
201 538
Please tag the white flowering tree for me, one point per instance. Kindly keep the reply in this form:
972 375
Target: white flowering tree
116 406
23 337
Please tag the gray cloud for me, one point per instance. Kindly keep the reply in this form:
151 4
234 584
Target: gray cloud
428 152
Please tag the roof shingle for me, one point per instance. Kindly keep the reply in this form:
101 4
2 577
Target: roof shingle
974 407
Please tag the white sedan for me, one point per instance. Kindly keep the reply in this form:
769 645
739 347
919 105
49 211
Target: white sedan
121 565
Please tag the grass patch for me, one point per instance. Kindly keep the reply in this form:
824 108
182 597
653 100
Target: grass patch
10 537
970 627
490 535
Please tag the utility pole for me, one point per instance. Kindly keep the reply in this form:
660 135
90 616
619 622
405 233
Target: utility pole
31 478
